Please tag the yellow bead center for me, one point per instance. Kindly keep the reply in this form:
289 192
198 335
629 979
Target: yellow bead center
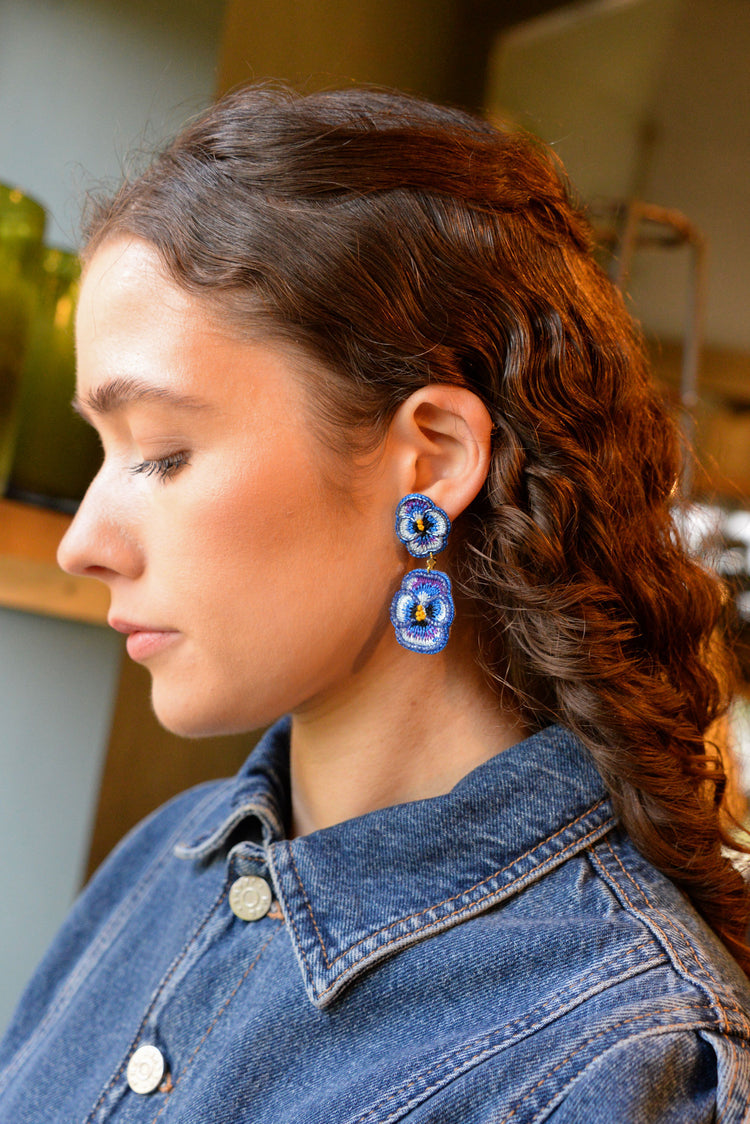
421 613
420 524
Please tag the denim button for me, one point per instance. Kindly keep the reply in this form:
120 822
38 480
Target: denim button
250 897
145 1069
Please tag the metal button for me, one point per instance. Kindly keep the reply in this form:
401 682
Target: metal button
250 897
145 1069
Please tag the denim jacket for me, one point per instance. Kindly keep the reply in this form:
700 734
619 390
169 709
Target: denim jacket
498 954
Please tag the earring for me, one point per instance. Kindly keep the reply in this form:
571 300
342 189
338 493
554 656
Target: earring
422 609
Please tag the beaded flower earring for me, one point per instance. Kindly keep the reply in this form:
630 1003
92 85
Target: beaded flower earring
422 610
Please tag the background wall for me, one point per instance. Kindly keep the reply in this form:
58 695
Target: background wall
56 685
404 43
648 97
81 83
85 83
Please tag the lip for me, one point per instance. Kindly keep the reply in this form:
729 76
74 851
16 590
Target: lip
144 640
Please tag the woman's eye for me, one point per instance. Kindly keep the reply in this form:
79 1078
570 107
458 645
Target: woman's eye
163 467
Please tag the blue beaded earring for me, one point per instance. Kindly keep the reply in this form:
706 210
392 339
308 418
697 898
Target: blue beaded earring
422 610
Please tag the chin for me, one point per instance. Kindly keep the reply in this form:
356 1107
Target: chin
191 715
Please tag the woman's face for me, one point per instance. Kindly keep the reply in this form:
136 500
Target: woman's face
248 583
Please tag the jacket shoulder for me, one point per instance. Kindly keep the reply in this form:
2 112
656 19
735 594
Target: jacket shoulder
696 954
674 1077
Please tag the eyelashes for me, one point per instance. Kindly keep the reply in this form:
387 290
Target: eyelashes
163 467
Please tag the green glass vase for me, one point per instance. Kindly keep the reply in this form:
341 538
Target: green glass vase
22 222
57 454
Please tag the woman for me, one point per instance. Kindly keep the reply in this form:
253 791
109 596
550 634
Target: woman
381 455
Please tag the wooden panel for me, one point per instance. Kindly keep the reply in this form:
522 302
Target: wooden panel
30 578
723 373
723 440
30 532
721 417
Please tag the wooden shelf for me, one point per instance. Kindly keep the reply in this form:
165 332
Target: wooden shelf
30 578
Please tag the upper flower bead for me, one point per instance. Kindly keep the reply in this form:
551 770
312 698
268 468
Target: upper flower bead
421 525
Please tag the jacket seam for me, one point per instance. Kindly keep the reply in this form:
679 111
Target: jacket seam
662 1029
489 1052
154 1000
702 970
456 897
528 1021
216 1018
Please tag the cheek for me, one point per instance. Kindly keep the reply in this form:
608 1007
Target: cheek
260 533
262 557
280 583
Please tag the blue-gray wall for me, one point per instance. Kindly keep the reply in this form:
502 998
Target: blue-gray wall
56 687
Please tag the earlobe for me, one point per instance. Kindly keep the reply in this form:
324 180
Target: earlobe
442 437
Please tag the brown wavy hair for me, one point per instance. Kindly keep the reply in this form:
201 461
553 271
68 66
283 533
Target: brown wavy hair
401 243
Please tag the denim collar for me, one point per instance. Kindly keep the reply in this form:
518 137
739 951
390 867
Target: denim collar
359 891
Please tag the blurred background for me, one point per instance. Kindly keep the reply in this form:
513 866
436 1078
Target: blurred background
647 103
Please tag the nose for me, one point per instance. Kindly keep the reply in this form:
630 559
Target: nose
100 542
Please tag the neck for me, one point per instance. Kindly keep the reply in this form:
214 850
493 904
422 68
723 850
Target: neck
407 729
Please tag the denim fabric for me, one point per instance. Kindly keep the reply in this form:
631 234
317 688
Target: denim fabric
501 953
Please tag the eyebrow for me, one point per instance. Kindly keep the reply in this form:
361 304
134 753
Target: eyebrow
123 391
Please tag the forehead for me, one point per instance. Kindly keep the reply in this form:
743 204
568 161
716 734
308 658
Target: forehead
142 341
135 325
125 293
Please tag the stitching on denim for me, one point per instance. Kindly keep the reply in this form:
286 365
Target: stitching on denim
582 1046
456 897
154 1000
308 905
640 889
520 1022
737 1042
659 913
658 927
701 968
290 914
490 877
217 1016
446 917
490 1050
735 1070
634 907
660 1030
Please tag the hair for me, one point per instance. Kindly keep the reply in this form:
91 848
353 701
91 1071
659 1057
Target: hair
402 243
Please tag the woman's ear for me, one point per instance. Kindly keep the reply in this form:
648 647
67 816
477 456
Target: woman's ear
440 445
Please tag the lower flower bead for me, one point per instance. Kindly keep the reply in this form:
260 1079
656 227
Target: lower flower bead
422 611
